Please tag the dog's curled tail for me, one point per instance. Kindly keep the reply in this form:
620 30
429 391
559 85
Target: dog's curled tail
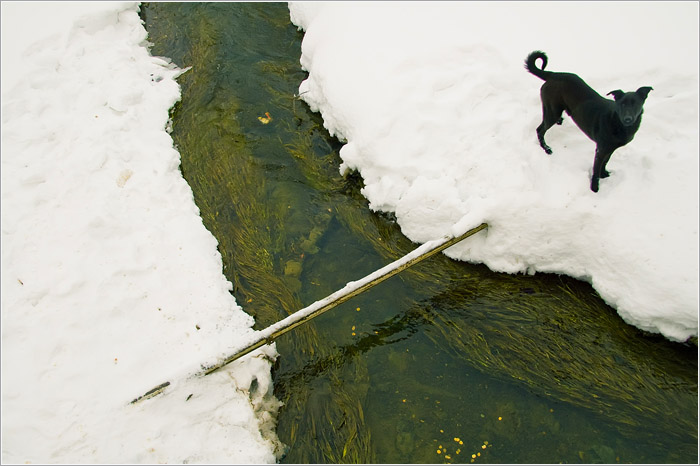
530 65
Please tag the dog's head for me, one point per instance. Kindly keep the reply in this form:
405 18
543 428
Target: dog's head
629 105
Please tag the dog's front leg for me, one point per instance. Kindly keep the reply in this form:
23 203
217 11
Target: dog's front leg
601 159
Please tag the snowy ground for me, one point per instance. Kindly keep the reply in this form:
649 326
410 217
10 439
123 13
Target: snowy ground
439 116
111 284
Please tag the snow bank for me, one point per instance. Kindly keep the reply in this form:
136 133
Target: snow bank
439 118
111 284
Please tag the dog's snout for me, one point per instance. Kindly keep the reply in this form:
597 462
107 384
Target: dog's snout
628 115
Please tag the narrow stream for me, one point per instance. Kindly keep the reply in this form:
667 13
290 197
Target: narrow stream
447 362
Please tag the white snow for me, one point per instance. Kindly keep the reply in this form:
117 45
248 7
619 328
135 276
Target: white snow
111 284
439 117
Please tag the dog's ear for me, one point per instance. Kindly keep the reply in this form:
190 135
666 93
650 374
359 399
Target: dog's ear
643 92
616 94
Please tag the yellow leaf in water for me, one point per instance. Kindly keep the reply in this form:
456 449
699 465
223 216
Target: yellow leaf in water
266 119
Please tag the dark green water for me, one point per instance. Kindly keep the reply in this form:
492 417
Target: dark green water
447 362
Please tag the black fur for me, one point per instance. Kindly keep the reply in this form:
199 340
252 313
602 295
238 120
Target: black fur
610 124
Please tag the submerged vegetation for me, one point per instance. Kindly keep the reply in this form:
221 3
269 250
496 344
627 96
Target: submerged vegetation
447 362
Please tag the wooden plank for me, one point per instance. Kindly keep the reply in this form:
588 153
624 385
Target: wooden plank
274 331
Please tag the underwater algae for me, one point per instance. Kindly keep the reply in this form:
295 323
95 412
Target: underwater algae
263 234
291 230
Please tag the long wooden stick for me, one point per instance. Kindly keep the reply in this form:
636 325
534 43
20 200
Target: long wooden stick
271 333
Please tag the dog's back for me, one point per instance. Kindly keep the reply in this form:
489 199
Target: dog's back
563 91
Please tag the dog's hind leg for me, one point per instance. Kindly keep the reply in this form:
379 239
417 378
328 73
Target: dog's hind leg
540 137
549 119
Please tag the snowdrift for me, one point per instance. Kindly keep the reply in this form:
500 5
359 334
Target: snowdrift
439 117
111 284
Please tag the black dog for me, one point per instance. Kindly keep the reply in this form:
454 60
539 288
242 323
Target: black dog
609 124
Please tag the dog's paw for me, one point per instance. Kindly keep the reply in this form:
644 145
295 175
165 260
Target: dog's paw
594 186
605 174
548 150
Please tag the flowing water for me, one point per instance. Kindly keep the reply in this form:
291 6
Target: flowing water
447 362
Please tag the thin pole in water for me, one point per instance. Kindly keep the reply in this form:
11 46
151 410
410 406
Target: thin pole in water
271 333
